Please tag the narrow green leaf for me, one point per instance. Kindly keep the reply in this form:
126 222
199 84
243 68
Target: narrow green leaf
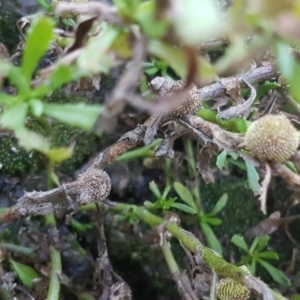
263 89
211 238
14 117
239 241
18 79
252 177
54 178
289 69
252 267
39 37
60 154
7 99
259 243
184 194
211 220
235 124
25 273
166 192
154 189
45 5
176 59
79 115
30 140
36 107
96 57
268 255
276 274
219 205
221 159
184 207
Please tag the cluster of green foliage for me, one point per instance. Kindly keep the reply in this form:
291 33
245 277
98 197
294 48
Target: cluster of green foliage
27 113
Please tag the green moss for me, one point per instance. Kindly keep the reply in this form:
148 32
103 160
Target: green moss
242 209
9 34
15 160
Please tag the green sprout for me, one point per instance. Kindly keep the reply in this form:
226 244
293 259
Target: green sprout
256 254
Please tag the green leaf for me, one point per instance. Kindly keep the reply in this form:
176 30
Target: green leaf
289 68
211 220
61 75
80 227
37 107
25 273
96 57
152 71
38 40
7 99
155 190
221 159
239 241
211 238
233 155
259 243
54 178
14 117
79 115
184 194
153 27
45 5
234 124
166 192
219 205
60 154
184 207
268 255
252 177
252 267
176 59
263 89
30 140
276 274
18 79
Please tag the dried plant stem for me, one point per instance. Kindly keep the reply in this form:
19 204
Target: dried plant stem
212 259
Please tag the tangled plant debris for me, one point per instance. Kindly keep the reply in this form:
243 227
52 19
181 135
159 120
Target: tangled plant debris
241 115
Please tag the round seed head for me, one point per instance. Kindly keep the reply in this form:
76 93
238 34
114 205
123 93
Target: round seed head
164 86
272 138
229 289
95 186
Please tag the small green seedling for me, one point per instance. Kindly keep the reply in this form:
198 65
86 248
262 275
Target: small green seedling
256 255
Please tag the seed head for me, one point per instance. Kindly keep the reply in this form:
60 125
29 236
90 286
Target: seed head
272 138
68 15
95 186
163 86
229 289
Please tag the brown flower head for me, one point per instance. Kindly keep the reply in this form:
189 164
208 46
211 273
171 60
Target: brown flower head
272 138
190 105
95 186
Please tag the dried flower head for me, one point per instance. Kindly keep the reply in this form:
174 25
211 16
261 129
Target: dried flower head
95 186
272 138
229 289
70 14
163 86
